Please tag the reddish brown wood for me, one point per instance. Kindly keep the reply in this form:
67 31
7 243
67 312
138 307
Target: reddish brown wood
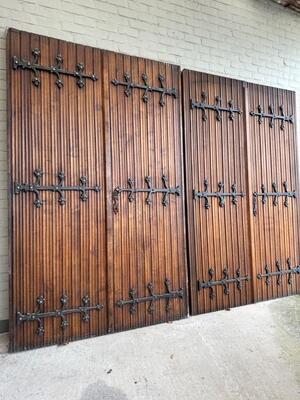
56 249
273 154
216 150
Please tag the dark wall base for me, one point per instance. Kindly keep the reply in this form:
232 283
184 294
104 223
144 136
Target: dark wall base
4 326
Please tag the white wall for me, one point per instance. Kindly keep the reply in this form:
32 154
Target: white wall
254 40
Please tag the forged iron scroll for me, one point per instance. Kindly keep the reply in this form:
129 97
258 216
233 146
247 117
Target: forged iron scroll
279 273
134 300
61 313
129 86
211 284
56 69
264 194
150 190
217 107
220 194
59 188
272 116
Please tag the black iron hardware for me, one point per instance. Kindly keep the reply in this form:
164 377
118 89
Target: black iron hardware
131 190
211 284
59 188
203 105
220 194
290 271
134 300
272 116
56 69
129 85
275 194
39 315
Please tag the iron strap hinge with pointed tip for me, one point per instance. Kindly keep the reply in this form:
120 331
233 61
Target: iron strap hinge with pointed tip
134 300
61 313
56 69
272 116
129 86
59 188
218 108
264 194
225 282
279 273
220 194
150 190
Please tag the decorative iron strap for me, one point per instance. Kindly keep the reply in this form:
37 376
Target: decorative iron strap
61 313
220 195
279 273
203 105
56 69
272 116
134 300
150 190
275 194
129 86
211 284
59 188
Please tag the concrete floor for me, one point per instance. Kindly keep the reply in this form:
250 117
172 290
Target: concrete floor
252 352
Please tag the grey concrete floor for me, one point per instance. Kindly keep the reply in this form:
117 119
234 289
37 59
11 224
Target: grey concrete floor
251 352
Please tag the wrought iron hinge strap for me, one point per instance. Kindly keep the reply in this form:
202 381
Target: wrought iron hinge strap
129 86
61 313
275 194
59 188
134 300
225 282
150 190
272 116
56 69
220 194
290 271
217 107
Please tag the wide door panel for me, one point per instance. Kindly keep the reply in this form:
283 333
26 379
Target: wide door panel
57 201
216 192
147 252
274 191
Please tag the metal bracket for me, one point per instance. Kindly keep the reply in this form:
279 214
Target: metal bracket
280 272
272 116
203 105
134 300
129 86
210 284
220 194
61 313
56 69
131 190
59 188
275 194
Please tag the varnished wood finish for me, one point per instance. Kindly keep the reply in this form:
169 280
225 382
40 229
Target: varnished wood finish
147 241
56 249
216 150
273 155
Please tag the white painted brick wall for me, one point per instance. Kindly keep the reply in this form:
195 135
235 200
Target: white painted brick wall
255 40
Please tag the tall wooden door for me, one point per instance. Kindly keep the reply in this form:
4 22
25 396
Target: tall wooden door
274 191
58 259
216 192
96 192
147 262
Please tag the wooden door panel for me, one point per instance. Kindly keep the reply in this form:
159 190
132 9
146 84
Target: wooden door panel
218 224
273 153
147 229
58 240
